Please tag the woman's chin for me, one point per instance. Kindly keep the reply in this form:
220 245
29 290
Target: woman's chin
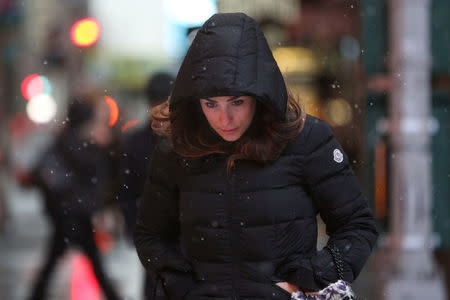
230 138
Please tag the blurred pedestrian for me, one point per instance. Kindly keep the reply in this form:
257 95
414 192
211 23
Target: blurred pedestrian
229 208
75 174
138 147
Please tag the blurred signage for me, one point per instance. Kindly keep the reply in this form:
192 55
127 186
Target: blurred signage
280 11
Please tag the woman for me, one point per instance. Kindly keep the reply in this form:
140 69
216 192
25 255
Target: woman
230 206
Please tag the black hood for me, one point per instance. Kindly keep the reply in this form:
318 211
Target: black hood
230 57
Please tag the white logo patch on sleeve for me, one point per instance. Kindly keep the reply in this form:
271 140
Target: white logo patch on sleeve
338 156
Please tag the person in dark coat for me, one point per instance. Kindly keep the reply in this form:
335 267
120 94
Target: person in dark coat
138 147
230 204
74 175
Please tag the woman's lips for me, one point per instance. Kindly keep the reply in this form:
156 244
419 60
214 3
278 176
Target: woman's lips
228 130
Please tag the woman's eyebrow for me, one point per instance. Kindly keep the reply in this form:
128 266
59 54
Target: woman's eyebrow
231 99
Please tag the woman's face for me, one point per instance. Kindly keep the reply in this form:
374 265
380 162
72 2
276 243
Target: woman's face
229 116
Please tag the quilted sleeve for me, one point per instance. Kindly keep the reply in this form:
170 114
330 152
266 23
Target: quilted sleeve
344 209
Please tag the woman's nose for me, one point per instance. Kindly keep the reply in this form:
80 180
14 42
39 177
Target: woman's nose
225 117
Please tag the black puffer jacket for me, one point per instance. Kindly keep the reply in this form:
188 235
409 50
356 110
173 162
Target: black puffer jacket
212 236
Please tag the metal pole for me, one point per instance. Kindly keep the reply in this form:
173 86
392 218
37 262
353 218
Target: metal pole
413 274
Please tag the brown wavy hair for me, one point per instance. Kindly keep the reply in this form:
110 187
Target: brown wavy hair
192 136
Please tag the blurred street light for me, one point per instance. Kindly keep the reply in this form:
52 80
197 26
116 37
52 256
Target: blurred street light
85 32
41 108
113 110
34 85
339 112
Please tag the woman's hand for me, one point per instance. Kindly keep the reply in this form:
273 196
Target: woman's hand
287 286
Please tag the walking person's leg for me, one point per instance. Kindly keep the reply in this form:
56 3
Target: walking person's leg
89 247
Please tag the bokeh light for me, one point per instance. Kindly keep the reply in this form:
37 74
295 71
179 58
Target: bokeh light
31 86
296 60
113 110
339 112
34 85
41 108
129 124
85 32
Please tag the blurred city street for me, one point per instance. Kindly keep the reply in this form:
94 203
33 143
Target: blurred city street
85 83
22 245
